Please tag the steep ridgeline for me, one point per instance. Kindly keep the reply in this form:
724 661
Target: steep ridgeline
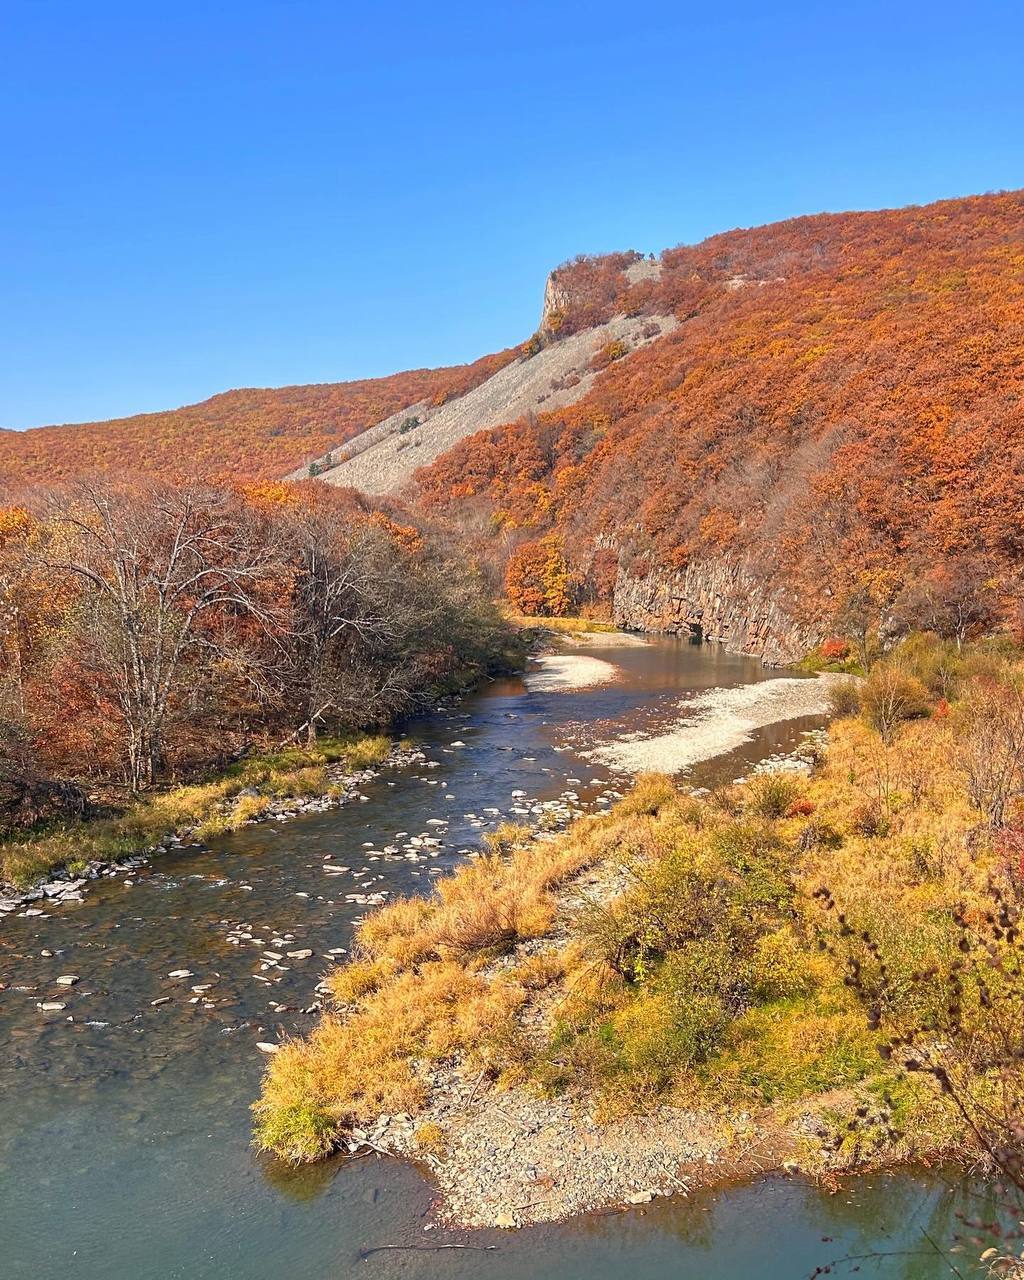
251 434
758 436
831 435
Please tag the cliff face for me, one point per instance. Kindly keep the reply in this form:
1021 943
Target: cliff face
556 302
717 600
842 394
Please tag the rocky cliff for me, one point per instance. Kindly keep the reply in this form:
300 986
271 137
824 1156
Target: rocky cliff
716 600
556 302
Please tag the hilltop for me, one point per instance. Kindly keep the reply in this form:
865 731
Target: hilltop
832 434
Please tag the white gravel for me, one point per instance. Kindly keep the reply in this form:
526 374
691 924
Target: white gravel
715 723
558 375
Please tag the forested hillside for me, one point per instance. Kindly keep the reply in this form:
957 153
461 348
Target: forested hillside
810 426
252 433
839 410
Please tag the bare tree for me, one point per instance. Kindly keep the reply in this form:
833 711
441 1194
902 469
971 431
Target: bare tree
993 744
346 607
26 794
175 580
379 622
960 1023
957 599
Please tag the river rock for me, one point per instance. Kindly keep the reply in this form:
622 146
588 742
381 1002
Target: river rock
67 979
302 954
265 1046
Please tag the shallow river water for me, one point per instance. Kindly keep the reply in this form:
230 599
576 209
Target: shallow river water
124 1124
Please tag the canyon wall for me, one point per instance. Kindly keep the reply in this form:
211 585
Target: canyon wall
718 600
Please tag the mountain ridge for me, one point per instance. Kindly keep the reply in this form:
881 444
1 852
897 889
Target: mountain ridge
840 413
250 432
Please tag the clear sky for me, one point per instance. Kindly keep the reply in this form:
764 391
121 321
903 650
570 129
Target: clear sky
197 196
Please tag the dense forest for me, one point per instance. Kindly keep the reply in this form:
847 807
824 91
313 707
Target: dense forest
840 407
839 410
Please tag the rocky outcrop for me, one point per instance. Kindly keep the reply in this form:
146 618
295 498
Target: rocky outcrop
556 303
717 600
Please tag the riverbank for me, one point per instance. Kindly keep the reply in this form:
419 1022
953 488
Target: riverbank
504 1153
673 993
552 633
56 864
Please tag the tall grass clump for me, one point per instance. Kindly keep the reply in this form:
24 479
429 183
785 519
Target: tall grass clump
414 990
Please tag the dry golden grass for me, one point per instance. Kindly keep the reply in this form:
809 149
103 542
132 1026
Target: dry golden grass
363 1064
209 809
414 991
716 977
567 626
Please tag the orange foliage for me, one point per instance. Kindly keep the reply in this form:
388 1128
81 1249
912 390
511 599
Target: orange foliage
538 581
14 523
835 648
843 395
405 536
252 433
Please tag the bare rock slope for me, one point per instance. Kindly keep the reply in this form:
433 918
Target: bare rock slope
383 458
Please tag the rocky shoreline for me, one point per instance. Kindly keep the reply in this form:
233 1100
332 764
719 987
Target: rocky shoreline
65 887
509 1158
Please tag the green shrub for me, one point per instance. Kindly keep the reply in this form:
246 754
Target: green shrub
770 795
302 1130
793 1048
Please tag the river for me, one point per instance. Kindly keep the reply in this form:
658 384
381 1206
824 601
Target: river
124 1125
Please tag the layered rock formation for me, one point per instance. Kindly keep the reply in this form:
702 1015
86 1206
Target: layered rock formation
717 600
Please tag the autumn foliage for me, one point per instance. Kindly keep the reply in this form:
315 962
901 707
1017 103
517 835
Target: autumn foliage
538 580
840 406
150 630
255 432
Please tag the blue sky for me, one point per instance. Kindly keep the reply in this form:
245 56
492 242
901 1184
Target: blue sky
202 196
